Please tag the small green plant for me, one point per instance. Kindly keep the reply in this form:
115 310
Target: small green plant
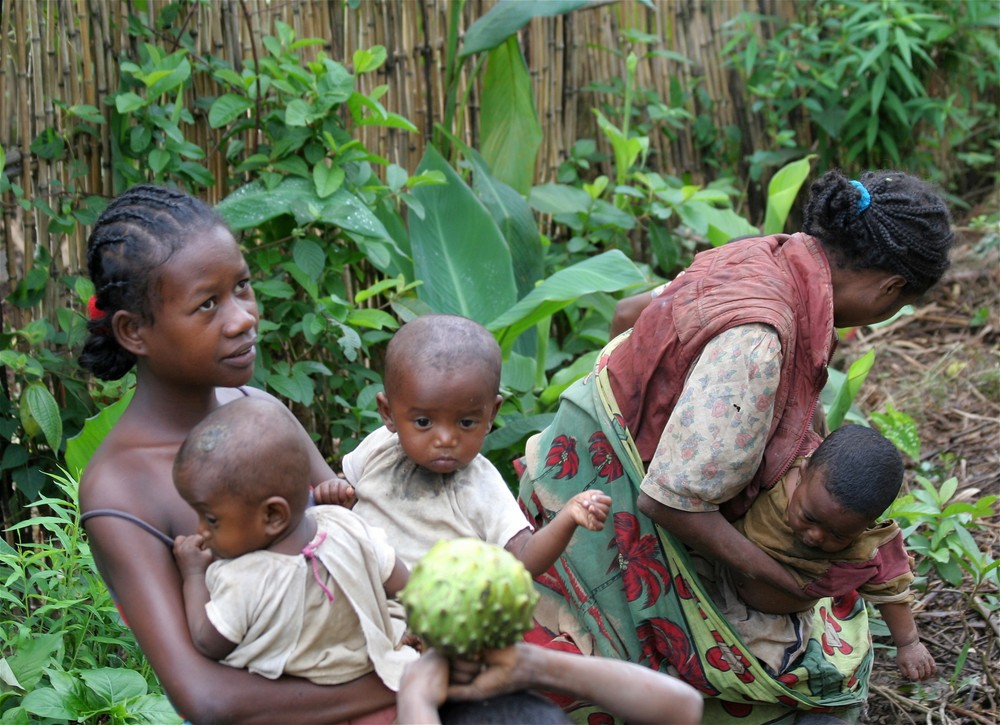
65 656
938 525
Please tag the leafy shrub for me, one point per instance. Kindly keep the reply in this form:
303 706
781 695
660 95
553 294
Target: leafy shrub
870 81
66 656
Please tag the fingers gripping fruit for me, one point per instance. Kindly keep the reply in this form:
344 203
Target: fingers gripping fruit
465 596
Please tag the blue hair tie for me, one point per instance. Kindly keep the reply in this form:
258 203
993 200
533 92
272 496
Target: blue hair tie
866 199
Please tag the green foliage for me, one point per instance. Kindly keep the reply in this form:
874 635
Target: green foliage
44 398
66 657
868 77
842 388
899 428
938 525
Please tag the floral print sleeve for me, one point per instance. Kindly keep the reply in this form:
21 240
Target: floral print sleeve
714 440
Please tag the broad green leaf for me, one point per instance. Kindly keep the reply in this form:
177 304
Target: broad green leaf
273 288
458 251
372 319
309 256
226 109
39 404
298 113
507 17
7 676
31 655
297 387
518 373
567 376
154 709
128 102
899 428
724 225
511 134
848 391
114 685
516 222
253 204
162 82
516 430
158 160
559 199
369 59
781 193
81 447
46 703
328 179
610 271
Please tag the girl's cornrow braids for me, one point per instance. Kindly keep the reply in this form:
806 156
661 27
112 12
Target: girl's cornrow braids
912 226
137 232
888 220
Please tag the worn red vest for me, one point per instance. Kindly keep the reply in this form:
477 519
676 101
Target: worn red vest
782 281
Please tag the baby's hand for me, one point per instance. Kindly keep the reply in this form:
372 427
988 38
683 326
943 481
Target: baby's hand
191 555
334 491
915 662
590 509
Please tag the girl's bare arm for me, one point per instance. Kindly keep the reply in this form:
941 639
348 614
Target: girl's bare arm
141 572
709 533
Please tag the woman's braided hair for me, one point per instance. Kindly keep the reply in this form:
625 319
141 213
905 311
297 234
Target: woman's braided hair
139 231
904 229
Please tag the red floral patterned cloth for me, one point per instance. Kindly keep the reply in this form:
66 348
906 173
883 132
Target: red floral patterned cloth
629 591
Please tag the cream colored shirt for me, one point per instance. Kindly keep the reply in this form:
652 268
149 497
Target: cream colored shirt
283 621
418 508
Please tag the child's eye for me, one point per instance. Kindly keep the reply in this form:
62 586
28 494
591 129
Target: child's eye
211 520
468 423
422 422
243 285
207 305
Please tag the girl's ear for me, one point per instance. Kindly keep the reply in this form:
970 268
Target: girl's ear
277 515
383 410
127 327
893 286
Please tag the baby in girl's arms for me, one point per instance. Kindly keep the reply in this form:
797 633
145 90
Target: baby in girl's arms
421 477
271 585
820 522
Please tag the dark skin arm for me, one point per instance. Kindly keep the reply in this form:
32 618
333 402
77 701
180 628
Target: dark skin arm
143 575
632 692
709 533
193 560
539 550
132 472
912 657
627 311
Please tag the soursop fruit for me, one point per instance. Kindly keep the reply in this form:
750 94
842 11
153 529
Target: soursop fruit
465 596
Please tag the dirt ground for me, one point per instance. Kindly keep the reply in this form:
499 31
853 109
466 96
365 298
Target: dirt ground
941 366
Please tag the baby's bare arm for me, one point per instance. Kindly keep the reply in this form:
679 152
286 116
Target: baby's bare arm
764 597
192 560
335 492
912 657
540 550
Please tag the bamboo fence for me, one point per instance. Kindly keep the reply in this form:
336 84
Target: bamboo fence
60 53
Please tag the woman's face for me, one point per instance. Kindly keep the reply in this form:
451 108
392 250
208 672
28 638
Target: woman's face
204 327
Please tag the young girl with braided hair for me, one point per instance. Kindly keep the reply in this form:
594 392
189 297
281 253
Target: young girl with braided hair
705 402
173 301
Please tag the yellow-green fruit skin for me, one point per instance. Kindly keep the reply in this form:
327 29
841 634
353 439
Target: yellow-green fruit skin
465 596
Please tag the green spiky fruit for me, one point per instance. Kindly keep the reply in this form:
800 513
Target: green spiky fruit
465 596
